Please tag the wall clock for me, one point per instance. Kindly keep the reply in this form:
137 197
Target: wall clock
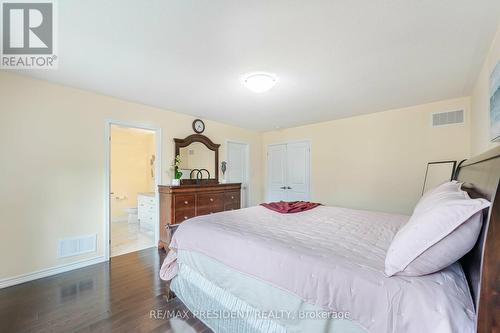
198 126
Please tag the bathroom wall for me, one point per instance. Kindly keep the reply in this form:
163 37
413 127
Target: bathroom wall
131 152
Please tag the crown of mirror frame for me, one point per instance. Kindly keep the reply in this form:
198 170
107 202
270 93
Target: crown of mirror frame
199 159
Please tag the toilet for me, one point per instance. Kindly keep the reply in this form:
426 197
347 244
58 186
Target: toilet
132 215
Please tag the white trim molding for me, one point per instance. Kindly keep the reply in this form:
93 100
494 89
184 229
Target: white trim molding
11 281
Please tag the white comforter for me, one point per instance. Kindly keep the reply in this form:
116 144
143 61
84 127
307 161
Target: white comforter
333 258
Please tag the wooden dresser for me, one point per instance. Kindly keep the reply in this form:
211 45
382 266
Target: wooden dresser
179 203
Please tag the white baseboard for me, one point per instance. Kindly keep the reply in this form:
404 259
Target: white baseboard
11 281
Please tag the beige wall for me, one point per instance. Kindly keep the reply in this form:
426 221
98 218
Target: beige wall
480 101
378 161
131 171
52 150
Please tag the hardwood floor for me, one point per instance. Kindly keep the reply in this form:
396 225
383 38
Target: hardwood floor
119 296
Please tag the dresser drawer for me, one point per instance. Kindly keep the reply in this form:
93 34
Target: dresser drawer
146 205
232 206
205 210
147 223
184 201
232 198
211 200
183 214
146 200
145 215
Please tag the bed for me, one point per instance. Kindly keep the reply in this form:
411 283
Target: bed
255 270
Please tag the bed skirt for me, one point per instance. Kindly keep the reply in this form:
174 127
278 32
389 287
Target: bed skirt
219 309
229 301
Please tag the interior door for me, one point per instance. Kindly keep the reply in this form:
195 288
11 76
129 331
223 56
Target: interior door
297 174
237 168
288 172
276 172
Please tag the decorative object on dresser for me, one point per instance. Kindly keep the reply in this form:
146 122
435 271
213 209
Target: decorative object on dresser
146 210
223 168
176 181
179 203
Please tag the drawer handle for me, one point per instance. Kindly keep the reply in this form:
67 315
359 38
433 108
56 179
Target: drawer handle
232 197
185 217
185 202
212 199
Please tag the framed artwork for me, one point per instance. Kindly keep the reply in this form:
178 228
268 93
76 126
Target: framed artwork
495 103
438 173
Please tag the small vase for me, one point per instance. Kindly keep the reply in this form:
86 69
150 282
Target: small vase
176 182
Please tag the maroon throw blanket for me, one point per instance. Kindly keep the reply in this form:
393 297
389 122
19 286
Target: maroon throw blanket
285 207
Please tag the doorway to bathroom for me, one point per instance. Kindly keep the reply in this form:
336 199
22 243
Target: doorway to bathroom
133 172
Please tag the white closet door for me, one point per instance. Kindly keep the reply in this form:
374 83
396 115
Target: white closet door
288 172
297 187
237 164
276 172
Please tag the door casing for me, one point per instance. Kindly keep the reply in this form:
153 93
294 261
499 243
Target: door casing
107 175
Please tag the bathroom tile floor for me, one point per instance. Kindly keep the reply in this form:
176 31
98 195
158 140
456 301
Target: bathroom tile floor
129 237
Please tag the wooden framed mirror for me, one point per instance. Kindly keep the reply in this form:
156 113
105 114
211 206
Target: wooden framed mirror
199 159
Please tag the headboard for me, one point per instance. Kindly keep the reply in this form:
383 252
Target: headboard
481 265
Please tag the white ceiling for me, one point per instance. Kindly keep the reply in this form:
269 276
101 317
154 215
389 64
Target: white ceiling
333 59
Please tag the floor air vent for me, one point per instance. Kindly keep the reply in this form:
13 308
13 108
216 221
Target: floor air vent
447 118
77 245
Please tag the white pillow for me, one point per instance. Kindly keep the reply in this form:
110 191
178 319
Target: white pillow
429 199
444 226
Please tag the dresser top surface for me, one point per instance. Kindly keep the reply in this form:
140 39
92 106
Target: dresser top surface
194 188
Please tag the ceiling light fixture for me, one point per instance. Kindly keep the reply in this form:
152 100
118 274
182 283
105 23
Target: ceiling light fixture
259 82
